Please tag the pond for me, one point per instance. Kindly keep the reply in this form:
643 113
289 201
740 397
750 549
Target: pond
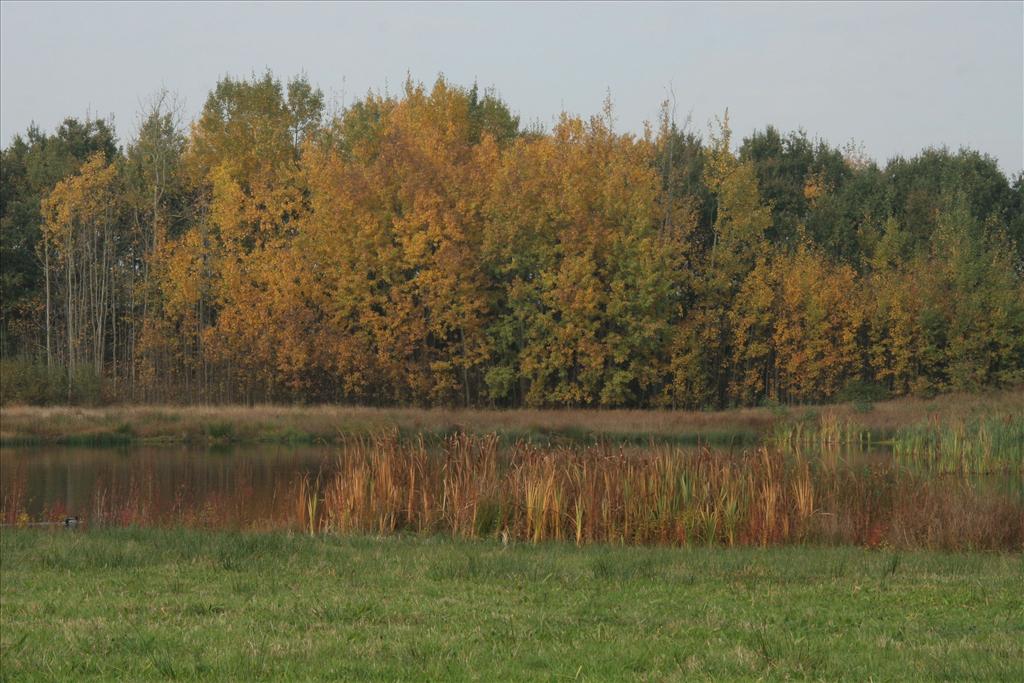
476 487
243 486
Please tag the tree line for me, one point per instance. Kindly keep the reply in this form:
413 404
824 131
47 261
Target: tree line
426 248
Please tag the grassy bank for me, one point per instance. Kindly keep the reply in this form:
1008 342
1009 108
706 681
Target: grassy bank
116 425
151 604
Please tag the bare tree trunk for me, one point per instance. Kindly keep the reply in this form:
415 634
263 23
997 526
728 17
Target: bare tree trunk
465 363
46 268
113 332
70 320
131 333
101 290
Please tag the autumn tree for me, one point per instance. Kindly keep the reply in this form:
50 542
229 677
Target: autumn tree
704 342
242 159
423 248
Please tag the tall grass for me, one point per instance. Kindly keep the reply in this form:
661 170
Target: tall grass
333 424
606 493
474 487
824 430
21 424
992 443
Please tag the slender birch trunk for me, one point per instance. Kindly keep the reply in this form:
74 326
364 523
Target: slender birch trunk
46 269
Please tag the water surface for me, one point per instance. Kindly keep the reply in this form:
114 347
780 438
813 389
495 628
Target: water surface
240 486
265 486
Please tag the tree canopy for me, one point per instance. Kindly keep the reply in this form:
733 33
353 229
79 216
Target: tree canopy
424 248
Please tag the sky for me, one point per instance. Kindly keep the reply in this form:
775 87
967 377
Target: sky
894 78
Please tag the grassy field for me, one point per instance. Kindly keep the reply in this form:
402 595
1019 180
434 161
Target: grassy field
158 605
295 424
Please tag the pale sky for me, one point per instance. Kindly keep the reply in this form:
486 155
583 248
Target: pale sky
894 77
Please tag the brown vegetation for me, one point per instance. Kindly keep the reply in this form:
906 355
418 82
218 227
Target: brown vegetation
472 487
332 423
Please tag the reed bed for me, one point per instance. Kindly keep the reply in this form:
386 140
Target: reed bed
474 487
987 444
826 430
658 495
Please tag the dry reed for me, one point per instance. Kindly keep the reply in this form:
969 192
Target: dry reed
474 487
655 495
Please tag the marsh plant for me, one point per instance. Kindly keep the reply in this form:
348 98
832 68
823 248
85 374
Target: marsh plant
468 486
991 443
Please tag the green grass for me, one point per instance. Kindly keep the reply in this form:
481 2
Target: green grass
156 605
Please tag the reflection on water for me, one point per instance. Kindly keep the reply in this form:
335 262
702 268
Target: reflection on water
244 487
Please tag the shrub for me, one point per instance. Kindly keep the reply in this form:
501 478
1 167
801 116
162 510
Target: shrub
29 381
862 392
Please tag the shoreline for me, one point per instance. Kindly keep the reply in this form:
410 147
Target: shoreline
211 425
